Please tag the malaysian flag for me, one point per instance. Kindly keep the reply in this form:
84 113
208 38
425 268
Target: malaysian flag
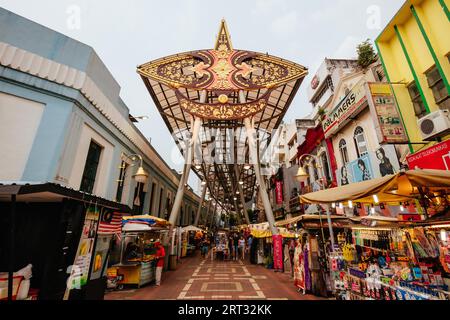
111 223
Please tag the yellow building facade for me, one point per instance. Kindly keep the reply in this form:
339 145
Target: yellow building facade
415 52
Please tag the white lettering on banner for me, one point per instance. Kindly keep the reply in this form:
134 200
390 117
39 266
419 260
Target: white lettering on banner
428 152
347 107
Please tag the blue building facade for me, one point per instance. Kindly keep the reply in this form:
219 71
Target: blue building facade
62 120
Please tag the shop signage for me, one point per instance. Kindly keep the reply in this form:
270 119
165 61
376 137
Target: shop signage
279 192
436 157
315 82
384 109
349 106
80 269
277 252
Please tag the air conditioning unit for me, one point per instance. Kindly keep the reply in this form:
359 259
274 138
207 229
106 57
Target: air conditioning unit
434 124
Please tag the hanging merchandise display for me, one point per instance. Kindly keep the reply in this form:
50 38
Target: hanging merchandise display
80 269
392 263
302 278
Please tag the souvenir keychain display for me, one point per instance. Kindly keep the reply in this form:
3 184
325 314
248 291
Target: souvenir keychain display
391 264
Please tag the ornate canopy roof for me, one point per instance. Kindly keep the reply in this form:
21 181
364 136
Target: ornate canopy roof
177 82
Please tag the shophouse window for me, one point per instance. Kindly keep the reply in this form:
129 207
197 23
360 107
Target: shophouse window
437 85
343 151
160 209
315 171
152 196
419 106
360 142
121 181
326 168
139 199
90 168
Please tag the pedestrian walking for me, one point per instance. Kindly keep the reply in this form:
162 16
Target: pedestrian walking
236 246
241 244
160 254
204 248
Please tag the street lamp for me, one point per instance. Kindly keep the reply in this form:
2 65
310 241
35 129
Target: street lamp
302 175
141 175
135 119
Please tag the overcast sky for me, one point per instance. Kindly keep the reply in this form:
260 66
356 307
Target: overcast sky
128 33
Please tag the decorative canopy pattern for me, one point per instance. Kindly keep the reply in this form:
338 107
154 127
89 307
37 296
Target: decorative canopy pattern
176 84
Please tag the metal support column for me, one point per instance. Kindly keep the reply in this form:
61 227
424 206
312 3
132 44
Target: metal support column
204 219
186 170
11 252
241 195
202 199
251 134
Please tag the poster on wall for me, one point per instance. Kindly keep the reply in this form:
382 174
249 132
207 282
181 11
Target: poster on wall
382 162
100 257
385 161
361 169
344 177
80 268
383 107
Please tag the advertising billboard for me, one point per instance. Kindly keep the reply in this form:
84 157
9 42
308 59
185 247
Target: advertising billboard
383 107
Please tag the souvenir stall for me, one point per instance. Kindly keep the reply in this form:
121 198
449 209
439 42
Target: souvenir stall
312 251
383 256
393 261
221 246
50 247
138 259
262 237
191 235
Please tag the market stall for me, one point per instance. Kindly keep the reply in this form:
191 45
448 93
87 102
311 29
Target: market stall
264 245
220 249
138 259
311 271
387 255
55 230
190 237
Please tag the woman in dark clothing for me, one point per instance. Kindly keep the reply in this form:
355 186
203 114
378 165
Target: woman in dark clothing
344 176
365 173
386 167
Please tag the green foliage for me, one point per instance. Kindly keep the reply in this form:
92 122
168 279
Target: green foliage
366 54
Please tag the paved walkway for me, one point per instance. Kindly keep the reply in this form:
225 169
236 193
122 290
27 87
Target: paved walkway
199 279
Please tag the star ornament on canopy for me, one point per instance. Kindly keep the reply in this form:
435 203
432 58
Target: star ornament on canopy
221 72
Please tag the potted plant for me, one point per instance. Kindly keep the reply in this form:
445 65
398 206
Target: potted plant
321 113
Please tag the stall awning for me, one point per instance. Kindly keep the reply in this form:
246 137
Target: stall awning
393 188
288 221
191 228
146 219
34 192
262 230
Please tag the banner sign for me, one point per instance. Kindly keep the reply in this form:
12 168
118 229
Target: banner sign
277 252
383 107
80 269
279 192
436 157
344 110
